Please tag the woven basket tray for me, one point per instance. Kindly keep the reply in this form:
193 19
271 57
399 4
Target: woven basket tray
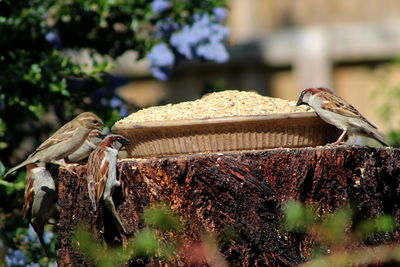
165 138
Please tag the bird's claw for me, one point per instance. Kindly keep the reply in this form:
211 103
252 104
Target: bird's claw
66 166
337 143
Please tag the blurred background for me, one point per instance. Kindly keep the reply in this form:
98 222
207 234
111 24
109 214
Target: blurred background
58 58
278 48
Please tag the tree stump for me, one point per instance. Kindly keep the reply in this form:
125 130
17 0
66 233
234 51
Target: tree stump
243 190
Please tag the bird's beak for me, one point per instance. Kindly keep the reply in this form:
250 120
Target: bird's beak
105 131
126 142
100 127
102 136
300 102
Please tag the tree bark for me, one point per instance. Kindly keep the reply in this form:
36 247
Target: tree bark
240 191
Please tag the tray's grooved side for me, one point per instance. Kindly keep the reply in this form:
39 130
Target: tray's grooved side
227 135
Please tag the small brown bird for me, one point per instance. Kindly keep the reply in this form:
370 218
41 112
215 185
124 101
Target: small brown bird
64 141
92 141
102 174
336 111
40 198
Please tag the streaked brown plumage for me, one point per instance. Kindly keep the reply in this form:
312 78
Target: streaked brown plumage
92 141
336 111
102 174
64 141
40 198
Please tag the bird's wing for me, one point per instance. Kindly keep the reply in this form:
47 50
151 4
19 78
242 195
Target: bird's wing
102 178
338 105
62 134
92 191
28 197
98 170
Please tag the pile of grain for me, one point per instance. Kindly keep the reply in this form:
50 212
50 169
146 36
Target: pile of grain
221 104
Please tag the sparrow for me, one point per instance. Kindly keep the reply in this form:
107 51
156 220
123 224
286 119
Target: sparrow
40 196
336 111
102 174
92 141
64 141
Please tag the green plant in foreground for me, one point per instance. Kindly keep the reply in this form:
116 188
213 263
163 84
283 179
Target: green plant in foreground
148 242
337 231
161 239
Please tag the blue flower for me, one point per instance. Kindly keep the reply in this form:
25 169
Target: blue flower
159 6
31 236
189 37
161 73
201 28
48 236
200 40
166 27
115 102
218 32
161 55
54 39
202 19
15 258
123 111
213 51
220 13
184 40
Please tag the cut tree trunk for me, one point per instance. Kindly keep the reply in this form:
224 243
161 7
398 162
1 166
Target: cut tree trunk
240 191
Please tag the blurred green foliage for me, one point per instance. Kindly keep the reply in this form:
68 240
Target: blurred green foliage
42 86
389 94
161 238
161 217
334 232
147 242
297 217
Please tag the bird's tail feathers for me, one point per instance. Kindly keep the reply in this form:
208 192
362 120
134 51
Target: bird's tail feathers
375 134
365 129
117 220
39 231
381 138
91 190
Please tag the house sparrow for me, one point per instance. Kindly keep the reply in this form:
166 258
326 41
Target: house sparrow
336 111
40 196
92 141
64 141
102 174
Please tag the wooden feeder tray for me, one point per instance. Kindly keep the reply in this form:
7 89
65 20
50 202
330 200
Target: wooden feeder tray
242 133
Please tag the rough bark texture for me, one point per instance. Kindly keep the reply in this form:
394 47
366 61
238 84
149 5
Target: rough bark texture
241 191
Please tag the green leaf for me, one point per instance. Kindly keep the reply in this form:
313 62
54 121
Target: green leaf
385 223
161 217
334 228
34 74
382 224
37 110
84 240
2 168
145 244
3 145
297 216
